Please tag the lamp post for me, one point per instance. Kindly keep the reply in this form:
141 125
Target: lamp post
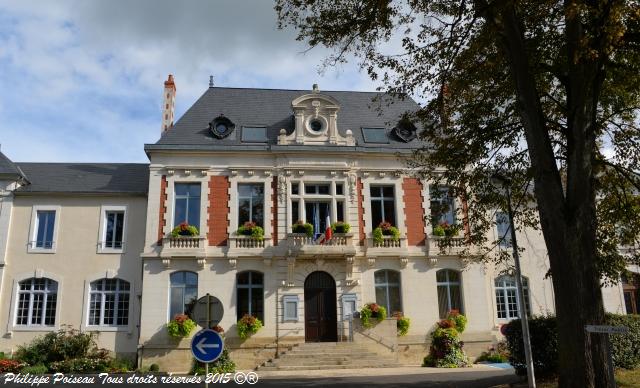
504 182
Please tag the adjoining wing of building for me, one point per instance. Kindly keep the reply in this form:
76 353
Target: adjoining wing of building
90 245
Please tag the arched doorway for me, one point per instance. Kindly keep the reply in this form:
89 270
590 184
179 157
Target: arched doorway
320 321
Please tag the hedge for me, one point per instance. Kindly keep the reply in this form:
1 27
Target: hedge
544 343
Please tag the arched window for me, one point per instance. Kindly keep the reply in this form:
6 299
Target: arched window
507 297
37 299
184 293
631 290
109 302
388 290
250 287
449 295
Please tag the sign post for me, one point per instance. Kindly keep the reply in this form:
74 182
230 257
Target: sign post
607 330
207 345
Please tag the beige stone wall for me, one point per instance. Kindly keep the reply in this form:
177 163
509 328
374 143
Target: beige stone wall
75 263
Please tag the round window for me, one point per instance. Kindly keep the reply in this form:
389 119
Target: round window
221 128
315 125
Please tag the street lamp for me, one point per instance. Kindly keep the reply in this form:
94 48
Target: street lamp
499 180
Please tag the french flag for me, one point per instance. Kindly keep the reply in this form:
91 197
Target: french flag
327 232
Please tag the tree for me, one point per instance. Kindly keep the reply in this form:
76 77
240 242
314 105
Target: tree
547 90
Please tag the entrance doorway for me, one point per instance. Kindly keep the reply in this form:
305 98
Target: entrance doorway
320 322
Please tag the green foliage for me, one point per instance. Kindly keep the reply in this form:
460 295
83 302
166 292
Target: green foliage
180 326
120 365
301 227
247 326
80 365
34 370
224 364
251 229
154 368
496 354
438 230
403 325
626 348
446 350
185 229
372 310
340 227
385 229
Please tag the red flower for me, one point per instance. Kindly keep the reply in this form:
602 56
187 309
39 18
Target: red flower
249 225
374 307
385 225
218 329
180 318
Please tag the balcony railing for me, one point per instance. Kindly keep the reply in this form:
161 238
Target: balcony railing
183 246
340 244
387 242
184 241
447 245
247 242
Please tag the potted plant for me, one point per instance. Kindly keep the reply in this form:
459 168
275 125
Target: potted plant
372 311
180 326
302 227
340 227
250 228
402 323
445 229
446 350
247 326
184 229
385 229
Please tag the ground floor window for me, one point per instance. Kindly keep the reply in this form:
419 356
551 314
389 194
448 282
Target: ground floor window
507 297
387 283
631 290
37 299
184 292
449 295
250 288
109 302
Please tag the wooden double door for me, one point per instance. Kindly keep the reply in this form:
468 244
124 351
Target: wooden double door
320 316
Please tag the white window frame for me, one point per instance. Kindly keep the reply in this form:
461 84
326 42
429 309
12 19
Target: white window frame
117 292
454 204
503 290
33 232
399 201
386 284
448 283
253 178
332 198
504 241
290 313
382 201
38 274
103 228
264 201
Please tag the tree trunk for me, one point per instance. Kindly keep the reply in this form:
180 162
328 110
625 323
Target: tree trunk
568 220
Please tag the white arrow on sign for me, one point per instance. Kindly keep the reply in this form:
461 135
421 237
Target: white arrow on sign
201 346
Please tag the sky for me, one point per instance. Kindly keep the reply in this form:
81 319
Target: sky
82 81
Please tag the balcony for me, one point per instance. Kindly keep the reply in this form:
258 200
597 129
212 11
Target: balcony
340 245
451 246
183 246
387 247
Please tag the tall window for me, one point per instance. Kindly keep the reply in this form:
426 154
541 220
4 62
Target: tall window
187 206
504 229
449 295
631 291
251 203
250 287
383 206
109 302
113 229
46 220
507 297
442 206
387 284
184 293
37 300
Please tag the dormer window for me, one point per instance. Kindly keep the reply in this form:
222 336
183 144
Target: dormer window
315 125
375 135
221 127
254 134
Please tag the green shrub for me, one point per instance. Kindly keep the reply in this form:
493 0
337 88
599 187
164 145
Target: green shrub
120 365
385 229
340 227
34 370
180 326
81 365
446 350
224 364
372 310
544 343
154 368
248 325
301 227
403 325
496 354
251 229
185 229
438 231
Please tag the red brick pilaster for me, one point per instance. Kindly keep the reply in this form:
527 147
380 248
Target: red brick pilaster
413 211
360 210
274 210
163 209
218 211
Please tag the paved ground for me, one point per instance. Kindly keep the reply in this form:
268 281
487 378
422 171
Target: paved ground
410 377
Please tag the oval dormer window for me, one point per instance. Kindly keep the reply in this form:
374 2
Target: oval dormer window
315 125
221 127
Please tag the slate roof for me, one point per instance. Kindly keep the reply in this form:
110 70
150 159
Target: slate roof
7 167
86 178
272 108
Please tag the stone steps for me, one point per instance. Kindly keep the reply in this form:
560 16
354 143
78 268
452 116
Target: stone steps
329 355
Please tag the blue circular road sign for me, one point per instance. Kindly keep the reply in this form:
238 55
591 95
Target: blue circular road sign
207 345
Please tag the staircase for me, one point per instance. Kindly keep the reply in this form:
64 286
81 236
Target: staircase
330 355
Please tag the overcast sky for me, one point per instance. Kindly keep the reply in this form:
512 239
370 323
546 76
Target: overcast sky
81 81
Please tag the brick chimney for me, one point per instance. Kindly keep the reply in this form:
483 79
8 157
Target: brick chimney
168 106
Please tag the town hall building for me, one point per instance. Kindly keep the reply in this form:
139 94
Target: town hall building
93 245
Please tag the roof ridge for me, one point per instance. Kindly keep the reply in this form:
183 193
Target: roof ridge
86 163
297 90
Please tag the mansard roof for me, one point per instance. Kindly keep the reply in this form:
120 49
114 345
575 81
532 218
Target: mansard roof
86 178
272 108
7 167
